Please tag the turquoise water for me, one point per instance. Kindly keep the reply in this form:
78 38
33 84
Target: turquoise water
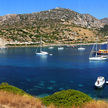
44 75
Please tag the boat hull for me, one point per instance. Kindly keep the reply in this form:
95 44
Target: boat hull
81 49
51 48
97 58
42 53
60 48
99 85
100 82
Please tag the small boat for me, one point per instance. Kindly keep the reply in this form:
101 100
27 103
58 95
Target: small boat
50 54
106 82
102 52
41 52
51 48
60 48
81 49
100 82
94 54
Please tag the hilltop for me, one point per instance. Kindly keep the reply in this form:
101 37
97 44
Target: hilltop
57 25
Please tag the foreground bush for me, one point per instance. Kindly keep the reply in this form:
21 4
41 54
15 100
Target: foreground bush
12 89
67 98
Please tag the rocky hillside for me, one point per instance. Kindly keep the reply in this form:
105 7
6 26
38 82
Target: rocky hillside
104 20
59 14
58 25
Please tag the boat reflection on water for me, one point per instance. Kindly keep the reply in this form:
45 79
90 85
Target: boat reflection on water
3 49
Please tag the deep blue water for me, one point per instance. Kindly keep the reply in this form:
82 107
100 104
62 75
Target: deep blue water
41 76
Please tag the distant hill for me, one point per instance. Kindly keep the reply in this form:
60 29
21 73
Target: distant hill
57 25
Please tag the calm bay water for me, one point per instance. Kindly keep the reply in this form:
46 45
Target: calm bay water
42 76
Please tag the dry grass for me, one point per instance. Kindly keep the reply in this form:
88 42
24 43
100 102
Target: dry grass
92 104
96 104
9 100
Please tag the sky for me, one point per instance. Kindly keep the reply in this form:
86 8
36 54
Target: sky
97 8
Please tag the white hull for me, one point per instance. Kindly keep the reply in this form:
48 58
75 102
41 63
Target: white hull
97 58
106 82
60 48
81 49
42 53
100 82
100 85
51 48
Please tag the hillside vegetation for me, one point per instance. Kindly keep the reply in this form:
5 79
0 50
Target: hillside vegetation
67 98
104 30
54 26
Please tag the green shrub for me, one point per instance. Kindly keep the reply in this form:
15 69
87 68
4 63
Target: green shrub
66 98
12 89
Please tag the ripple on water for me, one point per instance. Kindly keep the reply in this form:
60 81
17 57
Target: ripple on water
52 81
80 85
29 80
37 86
71 81
41 83
42 95
61 88
50 88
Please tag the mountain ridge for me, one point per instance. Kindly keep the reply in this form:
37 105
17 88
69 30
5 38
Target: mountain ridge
84 20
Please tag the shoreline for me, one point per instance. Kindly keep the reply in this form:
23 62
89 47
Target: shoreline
48 45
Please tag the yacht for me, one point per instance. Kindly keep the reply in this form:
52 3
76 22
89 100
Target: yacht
100 82
94 54
103 51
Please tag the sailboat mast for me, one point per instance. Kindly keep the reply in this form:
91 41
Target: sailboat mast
107 48
96 46
40 44
107 44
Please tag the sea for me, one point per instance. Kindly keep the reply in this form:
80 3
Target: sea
59 70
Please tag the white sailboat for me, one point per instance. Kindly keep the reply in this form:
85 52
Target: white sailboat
96 57
40 51
81 48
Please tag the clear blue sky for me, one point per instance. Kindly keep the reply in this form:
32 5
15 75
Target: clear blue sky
97 8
